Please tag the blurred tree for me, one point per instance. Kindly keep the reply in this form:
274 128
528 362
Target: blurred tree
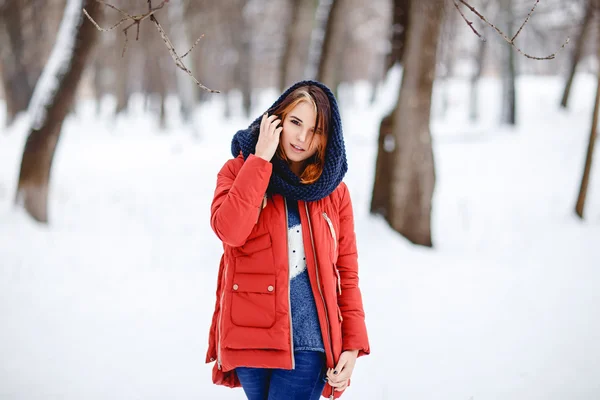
584 27
297 38
17 88
328 72
585 179
52 99
508 69
478 71
382 186
399 29
413 172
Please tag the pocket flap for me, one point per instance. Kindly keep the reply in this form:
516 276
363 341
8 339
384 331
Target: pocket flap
253 283
259 243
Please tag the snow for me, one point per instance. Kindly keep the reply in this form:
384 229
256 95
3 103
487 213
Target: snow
113 299
58 63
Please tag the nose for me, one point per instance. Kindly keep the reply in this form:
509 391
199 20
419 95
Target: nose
302 135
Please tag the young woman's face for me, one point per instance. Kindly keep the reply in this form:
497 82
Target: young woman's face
298 138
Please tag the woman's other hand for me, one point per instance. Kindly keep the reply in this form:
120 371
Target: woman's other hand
268 137
339 376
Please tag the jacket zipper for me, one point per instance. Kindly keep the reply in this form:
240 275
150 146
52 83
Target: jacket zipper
332 230
223 289
287 245
319 281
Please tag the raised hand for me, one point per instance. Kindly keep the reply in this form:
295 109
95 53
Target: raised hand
268 137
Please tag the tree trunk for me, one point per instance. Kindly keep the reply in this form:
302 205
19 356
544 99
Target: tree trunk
328 71
17 88
382 186
380 200
413 172
296 46
593 133
399 28
508 71
474 102
315 48
52 108
577 52
185 89
290 44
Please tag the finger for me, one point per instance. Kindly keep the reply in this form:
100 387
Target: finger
263 122
271 118
341 363
344 375
334 378
342 387
335 384
277 132
273 125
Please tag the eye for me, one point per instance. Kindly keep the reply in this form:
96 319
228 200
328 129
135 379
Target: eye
295 122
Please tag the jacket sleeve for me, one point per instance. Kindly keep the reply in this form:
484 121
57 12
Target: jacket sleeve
238 199
354 330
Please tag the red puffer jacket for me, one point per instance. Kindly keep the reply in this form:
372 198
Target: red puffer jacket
251 324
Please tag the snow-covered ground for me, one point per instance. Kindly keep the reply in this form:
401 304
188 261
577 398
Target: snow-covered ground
113 299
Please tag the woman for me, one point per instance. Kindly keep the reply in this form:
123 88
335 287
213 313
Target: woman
289 320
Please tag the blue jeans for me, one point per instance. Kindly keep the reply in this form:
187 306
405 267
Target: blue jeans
305 382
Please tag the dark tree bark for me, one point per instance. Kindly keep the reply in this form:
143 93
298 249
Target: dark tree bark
509 73
413 172
327 72
290 44
380 200
297 42
34 177
17 88
399 29
577 51
585 179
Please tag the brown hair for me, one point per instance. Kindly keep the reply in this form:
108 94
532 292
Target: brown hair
313 95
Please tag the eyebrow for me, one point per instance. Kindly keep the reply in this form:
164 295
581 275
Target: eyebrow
293 116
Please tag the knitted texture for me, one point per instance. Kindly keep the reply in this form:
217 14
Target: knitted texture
305 320
283 181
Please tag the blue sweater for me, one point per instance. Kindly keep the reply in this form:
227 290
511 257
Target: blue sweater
305 321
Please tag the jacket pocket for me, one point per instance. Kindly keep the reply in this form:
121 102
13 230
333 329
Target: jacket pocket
335 252
333 236
255 256
253 300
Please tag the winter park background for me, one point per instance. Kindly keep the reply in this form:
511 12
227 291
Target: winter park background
113 298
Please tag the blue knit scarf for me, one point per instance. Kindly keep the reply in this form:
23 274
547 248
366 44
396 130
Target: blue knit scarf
283 181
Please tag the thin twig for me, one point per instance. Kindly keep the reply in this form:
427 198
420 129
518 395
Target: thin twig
468 22
115 8
104 29
192 48
526 20
136 20
509 41
178 62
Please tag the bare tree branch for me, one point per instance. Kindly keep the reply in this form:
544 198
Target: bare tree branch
505 37
194 45
526 20
468 22
136 21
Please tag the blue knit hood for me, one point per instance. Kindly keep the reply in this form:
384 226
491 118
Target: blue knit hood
283 181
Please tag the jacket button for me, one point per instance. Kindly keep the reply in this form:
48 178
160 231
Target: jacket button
235 287
270 288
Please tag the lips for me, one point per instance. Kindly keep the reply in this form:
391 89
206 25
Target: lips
296 148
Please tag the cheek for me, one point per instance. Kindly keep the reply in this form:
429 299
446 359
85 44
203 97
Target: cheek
288 130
